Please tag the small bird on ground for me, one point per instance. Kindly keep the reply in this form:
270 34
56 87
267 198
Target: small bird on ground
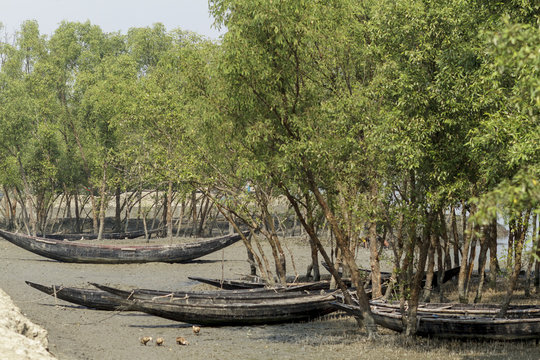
159 341
196 329
145 339
181 341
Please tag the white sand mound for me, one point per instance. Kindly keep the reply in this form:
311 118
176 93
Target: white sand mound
19 337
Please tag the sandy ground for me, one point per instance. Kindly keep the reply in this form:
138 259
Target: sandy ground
79 333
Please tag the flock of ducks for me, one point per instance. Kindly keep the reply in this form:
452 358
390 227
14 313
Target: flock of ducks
179 340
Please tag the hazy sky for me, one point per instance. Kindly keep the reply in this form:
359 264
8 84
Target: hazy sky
110 15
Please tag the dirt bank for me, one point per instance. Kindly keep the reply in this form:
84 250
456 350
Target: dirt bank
79 333
19 337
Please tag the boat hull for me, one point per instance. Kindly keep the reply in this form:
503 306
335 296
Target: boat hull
76 252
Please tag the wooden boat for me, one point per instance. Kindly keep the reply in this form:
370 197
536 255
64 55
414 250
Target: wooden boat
248 295
520 325
465 309
106 298
105 236
385 276
68 251
236 284
237 313
90 298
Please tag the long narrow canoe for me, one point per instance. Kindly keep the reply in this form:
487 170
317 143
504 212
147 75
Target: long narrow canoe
237 313
92 236
90 298
107 298
237 284
385 276
458 309
75 252
520 325
213 295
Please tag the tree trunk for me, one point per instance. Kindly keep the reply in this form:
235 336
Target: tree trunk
77 213
117 210
102 205
445 241
472 256
194 211
511 250
456 237
374 262
463 271
520 230
430 268
531 259
417 280
484 244
169 211
493 262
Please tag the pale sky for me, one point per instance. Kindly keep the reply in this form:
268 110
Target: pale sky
110 15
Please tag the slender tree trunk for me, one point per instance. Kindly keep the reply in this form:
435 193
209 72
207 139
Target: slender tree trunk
537 267
425 244
28 205
271 235
77 213
484 244
456 237
374 261
314 267
472 256
194 211
95 224
397 248
446 242
441 266
430 268
511 250
117 210
463 271
531 259
103 205
169 211
493 262
11 209
520 230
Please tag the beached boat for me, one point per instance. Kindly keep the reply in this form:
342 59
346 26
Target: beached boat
90 298
236 284
105 236
68 251
385 276
106 298
465 309
236 313
521 323
212 295
242 307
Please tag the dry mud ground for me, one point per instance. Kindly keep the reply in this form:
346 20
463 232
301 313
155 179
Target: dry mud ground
79 333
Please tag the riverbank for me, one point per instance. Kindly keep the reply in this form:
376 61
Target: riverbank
20 339
78 333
